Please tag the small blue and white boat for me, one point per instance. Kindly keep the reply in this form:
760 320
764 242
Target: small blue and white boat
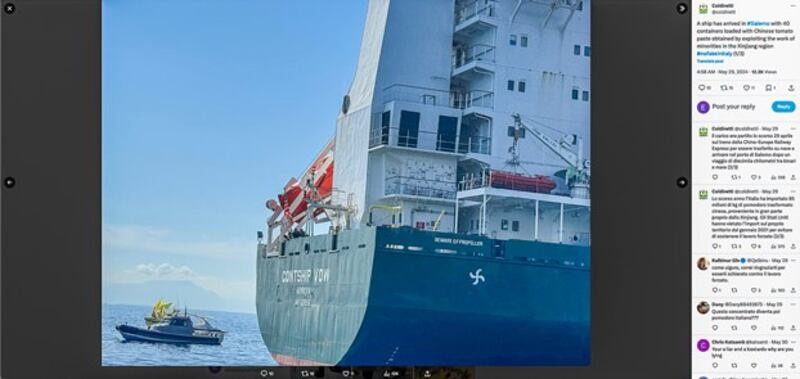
178 330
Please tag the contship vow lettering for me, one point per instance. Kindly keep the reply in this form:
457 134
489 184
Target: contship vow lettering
320 275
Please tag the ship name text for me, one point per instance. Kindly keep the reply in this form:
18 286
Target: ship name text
319 275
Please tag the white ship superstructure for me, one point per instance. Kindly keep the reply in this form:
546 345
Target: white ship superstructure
429 118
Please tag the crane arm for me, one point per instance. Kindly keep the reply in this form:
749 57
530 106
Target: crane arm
564 153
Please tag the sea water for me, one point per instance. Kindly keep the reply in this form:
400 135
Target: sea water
242 345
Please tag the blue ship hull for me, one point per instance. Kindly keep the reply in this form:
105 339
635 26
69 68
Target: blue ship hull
400 296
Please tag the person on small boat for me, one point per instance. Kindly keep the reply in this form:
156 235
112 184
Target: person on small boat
161 310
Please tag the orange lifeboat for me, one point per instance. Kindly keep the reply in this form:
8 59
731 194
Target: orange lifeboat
316 185
519 182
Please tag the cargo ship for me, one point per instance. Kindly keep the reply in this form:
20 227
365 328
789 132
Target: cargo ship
453 200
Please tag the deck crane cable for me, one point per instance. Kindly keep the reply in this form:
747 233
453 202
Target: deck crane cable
578 173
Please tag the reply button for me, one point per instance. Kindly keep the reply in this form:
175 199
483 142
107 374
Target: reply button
784 106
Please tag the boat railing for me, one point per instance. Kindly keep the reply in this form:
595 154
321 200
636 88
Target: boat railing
422 187
473 9
477 52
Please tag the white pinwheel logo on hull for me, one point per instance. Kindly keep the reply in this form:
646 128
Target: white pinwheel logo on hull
477 277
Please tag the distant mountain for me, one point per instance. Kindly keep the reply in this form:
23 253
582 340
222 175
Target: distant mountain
146 293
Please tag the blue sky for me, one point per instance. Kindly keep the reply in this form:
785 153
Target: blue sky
209 107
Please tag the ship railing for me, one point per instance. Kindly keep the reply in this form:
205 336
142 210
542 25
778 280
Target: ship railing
475 144
472 181
474 9
436 97
419 95
448 143
421 187
479 52
478 98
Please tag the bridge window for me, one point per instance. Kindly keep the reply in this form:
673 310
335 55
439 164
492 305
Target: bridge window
510 85
446 138
515 226
409 129
512 40
521 86
523 40
503 224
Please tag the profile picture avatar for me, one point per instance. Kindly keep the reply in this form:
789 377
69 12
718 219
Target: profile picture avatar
703 307
703 264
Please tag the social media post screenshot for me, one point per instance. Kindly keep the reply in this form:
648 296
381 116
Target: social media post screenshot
746 316
746 177
746 274
746 354
746 218
743 153
740 39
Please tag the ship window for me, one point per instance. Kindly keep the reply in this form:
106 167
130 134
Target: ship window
580 5
514 226
446 139
577 50
409 129
521 86
587 51
510 85
512 40
503 224
420 225
585 95
471 224
575 93
523 41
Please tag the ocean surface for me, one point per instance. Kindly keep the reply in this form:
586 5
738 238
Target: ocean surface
242 345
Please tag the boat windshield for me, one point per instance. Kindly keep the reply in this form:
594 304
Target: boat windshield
200 322
179 322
